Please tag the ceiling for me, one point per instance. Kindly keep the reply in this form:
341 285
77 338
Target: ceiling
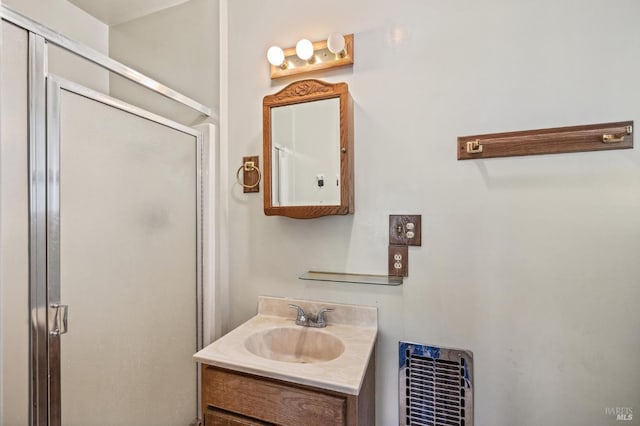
114 12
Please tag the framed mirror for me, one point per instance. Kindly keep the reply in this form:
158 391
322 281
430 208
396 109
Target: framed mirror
308 150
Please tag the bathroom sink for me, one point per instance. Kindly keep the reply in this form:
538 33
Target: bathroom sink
272 345
295 344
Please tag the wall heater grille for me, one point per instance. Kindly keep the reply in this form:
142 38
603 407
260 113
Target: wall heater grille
436 386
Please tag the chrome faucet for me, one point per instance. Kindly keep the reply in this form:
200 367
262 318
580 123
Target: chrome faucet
307 320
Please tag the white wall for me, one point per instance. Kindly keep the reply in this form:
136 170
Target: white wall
532 262
178 47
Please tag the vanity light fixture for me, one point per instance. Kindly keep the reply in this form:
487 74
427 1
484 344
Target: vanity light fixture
336 51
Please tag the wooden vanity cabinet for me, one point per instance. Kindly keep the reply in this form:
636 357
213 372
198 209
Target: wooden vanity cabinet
230 398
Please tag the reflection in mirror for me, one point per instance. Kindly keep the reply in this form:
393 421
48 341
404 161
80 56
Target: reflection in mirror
305 157
308 150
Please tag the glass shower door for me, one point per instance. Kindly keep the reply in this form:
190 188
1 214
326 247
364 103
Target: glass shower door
124 273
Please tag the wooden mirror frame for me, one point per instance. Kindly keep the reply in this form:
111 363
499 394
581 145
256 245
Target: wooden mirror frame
309 91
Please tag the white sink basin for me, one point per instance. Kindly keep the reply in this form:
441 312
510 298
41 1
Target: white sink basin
271 345
299 344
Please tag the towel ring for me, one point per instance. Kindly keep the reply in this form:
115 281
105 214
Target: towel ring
249 166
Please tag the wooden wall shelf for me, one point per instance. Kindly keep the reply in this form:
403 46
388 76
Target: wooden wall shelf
593 137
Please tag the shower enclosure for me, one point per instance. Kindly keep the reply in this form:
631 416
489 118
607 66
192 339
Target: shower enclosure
101 246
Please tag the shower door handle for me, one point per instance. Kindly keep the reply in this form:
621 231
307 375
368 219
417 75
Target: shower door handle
60 317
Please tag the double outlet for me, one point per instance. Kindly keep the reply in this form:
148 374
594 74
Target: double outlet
404 231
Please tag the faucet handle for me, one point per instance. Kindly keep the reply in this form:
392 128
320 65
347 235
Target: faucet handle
300 316
320 318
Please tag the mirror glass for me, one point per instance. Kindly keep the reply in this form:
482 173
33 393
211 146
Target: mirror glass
305 153
308 150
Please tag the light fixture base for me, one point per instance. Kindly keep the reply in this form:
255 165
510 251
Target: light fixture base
322 59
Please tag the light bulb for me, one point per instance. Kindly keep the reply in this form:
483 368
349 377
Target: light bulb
275 56
335 43
304 49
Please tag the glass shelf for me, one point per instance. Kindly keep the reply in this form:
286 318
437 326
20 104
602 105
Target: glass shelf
351 278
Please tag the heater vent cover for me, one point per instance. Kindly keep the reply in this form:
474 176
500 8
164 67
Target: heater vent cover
436 386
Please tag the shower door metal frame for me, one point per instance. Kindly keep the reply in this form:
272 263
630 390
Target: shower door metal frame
43 384
100 59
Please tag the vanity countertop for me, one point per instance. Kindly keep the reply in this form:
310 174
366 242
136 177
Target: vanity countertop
355 326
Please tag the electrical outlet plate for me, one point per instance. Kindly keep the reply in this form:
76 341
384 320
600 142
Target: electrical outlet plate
405 230
399 261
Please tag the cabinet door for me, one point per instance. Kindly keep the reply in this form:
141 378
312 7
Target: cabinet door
270 400
213 417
